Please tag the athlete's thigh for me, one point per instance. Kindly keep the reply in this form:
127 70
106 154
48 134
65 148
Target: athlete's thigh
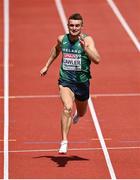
81 106
67 96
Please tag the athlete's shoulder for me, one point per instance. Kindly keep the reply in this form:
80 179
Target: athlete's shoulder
60 38
89 39
86 36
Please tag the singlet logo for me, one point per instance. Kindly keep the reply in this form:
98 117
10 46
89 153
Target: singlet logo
72 62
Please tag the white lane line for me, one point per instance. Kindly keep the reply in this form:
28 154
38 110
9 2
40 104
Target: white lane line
10 140
100 136
62 14
57 96
6 88
116 95
74 149
107 158
124 24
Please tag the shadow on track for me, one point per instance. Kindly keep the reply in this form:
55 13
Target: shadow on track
62 161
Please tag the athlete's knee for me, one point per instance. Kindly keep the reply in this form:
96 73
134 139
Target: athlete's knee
67 111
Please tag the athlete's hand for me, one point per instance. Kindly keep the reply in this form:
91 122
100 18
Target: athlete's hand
43 71
82 41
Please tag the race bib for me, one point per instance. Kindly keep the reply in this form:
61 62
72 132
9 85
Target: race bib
72 62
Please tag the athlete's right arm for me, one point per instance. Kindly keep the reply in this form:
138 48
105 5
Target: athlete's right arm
54 54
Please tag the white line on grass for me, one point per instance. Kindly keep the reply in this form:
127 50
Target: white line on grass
95 120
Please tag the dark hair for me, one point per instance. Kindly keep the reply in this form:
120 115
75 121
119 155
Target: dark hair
76 16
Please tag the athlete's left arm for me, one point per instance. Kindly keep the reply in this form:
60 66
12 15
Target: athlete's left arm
90 49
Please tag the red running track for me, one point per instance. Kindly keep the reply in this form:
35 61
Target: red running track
34 120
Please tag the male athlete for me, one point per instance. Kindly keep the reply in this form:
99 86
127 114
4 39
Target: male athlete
78 51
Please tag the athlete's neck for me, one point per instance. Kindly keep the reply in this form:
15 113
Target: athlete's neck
73 38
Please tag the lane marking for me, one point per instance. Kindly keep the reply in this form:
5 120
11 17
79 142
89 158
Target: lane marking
97 139
10 65
58 142
53 142
130 141
101 138
124 24
57 96
10 140
6 89
74 149
94 117
62 14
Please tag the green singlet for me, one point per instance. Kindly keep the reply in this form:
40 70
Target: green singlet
75 67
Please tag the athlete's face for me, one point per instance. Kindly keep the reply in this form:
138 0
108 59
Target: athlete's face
74 27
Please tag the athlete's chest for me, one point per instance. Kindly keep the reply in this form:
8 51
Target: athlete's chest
67 46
